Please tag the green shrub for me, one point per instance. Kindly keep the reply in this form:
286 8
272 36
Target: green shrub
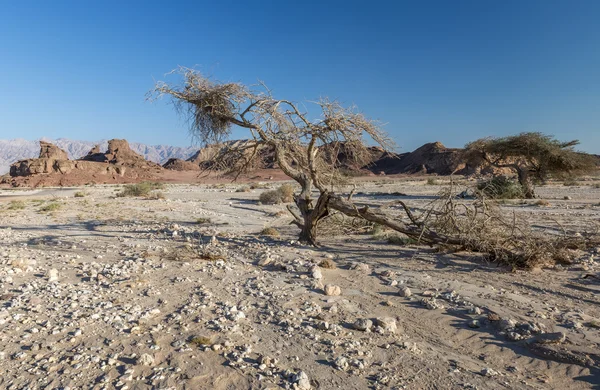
140 189
16 205
501 187
50 207
79 194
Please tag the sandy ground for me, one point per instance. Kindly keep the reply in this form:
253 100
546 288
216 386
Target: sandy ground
128 293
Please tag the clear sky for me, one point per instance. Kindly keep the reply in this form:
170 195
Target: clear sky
449 71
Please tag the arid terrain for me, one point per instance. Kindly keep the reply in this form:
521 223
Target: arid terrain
103 292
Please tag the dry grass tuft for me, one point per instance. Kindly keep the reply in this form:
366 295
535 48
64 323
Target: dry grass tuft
327 264
270 231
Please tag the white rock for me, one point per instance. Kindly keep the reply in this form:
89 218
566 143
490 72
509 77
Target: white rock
53 275
332 290
145 360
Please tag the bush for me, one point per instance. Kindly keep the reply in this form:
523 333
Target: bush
401 240
243 189
16 205
501 187
79 194
201 221
570 183
284 194
140 189
50 207
270 197
432 182
287 193
269 231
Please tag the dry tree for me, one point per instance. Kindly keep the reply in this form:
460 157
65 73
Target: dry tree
306 150
309 150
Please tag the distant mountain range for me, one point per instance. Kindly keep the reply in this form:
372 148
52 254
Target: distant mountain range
19 149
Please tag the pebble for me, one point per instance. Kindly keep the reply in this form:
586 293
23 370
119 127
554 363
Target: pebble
404 292
332 290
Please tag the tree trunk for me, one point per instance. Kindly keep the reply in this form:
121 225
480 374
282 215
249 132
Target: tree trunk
525 182
310 216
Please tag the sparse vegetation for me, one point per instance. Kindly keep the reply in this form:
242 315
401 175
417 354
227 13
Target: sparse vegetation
396 239
570 183
270 231
327 264
139 189
542 202
53 206
432 182
501 187
243 189
16 205
284 194
80 194
201 341
202 221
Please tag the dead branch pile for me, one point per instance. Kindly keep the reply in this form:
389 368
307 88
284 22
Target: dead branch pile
477 225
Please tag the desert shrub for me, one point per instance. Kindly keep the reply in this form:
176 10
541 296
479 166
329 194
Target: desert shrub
432 181
501 187
401 240
16 205
284 194
140 189
542 202
201 221
259 186
570 183
50 207
270 197
327 263
270 231
156 195
286 191
79 194
243 189
201 341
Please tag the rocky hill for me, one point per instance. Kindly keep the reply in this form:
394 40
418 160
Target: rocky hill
20 149
118 164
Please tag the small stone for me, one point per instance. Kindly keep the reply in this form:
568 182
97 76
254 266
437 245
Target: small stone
332 290
488 372
549 338
388 324
474 324
316 273
363 324
53 275
341 363
362 267
405 292
145 360
474 310
302 381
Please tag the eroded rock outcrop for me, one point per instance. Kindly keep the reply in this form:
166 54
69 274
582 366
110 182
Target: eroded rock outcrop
118 164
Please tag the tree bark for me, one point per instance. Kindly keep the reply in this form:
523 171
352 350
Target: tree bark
525 182
311 216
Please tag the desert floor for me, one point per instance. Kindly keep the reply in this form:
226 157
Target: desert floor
106 292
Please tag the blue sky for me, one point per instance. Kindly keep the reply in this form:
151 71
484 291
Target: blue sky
449 71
